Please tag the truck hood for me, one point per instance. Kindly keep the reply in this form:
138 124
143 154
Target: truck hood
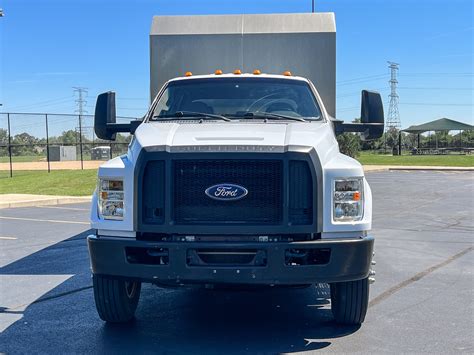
175 134
274 136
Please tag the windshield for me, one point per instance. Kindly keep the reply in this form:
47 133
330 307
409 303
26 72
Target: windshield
238 98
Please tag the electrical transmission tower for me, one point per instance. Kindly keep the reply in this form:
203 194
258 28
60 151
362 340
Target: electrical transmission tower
393 118
81 104
80 101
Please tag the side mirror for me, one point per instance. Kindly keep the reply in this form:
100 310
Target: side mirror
105 115
371 117
105 118
371 114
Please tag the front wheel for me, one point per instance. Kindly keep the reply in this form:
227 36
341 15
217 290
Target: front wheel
349 301
116 300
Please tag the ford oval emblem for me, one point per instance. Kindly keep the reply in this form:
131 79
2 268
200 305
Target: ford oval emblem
226 192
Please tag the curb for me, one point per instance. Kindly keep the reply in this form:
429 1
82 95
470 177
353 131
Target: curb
372 168
54 200
427 168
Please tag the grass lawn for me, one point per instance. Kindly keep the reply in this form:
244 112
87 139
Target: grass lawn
59 182
23 158
34 158
367 158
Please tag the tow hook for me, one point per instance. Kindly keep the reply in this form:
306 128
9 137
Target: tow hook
371 271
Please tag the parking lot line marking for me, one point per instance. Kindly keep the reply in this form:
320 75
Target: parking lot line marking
417 277
65 208
42 220
8 238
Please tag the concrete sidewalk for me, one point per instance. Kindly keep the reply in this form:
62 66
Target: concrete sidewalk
55 165
28 200
416 167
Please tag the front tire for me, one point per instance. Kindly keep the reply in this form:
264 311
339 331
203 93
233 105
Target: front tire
116 300
349 301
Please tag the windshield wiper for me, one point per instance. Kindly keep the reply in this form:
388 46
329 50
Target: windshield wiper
192 114
270 115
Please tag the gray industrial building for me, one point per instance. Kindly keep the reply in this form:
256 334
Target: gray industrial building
62 153
304 44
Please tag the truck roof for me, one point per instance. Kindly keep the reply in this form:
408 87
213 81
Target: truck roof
243 75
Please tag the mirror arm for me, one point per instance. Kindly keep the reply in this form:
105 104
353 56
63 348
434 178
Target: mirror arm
341 127
124 127
359 127
134 125
118 127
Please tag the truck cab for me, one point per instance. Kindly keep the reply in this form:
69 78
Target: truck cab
234 179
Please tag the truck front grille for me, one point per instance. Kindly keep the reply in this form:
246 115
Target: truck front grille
262 178
171 194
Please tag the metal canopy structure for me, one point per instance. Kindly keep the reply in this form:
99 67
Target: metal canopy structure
443 124
440 125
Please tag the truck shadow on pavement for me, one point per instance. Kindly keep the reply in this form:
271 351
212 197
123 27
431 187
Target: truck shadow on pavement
192 320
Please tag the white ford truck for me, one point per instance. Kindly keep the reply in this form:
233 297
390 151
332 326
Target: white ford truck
233 178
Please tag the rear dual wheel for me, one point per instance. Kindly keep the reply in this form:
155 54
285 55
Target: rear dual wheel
116 300
349 301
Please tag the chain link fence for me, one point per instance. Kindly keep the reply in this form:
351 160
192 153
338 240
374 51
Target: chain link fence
42 141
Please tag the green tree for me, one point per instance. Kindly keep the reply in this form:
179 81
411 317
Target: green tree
391 137
409 141
24 144
3 142
3 136
349 144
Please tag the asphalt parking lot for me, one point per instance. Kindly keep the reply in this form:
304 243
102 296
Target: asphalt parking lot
422 301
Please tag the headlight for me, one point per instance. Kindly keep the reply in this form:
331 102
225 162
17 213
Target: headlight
110 198
348 200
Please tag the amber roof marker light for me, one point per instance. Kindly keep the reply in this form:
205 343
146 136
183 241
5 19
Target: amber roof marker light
237 72
257 72
218 72
188 73
287 73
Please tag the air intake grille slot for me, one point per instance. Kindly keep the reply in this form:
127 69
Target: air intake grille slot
262 178
301 193
153 198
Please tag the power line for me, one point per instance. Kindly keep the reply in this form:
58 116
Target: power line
348 108
126 108
50 102
432 88
362 78
357 93
434 104
434 74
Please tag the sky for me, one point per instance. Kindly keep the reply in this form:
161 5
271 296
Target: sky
50 46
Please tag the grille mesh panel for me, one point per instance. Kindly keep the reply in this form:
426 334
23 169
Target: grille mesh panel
153 199
301 193
262 179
